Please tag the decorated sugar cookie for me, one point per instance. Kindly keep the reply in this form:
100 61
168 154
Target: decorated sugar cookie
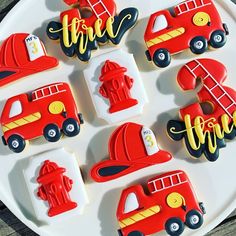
205 133
55 186
131 147
21 55
115 86
48 111
80 35
194 23
168 203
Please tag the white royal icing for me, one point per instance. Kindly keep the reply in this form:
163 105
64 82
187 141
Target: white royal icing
34 47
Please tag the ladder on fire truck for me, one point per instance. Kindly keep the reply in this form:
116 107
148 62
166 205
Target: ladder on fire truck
97 3
47 91
231 104
191 5
167 182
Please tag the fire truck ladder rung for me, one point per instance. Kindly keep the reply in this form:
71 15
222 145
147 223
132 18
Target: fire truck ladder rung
94 10
230 106
214 87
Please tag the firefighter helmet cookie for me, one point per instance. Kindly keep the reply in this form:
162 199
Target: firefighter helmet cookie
131 147
55 186
80 35
169 204
205 133
48 111
115 86
23 54
194 23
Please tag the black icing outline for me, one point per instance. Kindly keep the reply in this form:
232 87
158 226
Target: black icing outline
93 45
203 150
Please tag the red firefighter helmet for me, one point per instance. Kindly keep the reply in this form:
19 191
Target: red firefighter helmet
23 54
131 147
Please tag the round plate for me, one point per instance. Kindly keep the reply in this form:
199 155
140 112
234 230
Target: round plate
214 183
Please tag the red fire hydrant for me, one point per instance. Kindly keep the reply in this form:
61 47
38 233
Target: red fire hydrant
116 87
55 188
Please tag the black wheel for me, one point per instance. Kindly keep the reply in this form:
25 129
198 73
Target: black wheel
135 233
16 143
198 45
70 127
162 58
194 219
52 133
174 226
218 39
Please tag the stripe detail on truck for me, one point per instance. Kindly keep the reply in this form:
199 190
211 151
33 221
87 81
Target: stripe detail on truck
165 37
23 121
139 216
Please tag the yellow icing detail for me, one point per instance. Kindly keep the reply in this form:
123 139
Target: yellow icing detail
202 135
56 107
20 122
201 19
91 33
165 37
175 200
139 216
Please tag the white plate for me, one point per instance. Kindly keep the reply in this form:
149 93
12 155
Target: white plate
214 182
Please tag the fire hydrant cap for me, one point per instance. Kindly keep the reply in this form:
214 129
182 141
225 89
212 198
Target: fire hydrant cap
110 69
48 171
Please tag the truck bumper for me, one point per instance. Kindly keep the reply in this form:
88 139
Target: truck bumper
201 205
226 29
120 232
147 53
80 116
4 141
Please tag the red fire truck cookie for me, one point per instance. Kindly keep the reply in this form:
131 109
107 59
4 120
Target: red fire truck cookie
205 133
169 205
194 23
115 86
131 147
23 54
79 35
55 186
45 111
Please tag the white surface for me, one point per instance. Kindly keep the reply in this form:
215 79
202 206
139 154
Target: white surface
159 24
214 183
101 104
34 47
78 194
131 203
150 141
16 109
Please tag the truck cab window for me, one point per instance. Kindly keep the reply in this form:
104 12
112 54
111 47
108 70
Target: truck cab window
131 203
160 23
16 109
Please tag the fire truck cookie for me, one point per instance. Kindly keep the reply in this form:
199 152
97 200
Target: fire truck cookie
79 35
55 186
169 204
48 111
204 131
21 55
194 23
115 86
131 147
